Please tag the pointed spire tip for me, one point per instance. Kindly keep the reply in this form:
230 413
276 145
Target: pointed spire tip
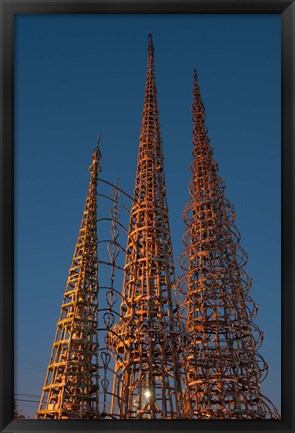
96 155
150 40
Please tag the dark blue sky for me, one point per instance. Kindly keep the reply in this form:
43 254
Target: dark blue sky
77 75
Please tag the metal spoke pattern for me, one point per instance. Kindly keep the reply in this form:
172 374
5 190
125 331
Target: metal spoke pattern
111 263
71 384
148 374
223 366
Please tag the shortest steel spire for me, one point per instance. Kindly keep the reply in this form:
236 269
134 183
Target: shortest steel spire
70 390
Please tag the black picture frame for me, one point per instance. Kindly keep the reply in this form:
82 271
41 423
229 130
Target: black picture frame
10 8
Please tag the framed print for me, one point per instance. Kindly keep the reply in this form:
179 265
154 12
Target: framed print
146 245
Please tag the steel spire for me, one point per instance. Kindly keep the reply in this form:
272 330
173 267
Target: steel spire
223 366
148 364
70 390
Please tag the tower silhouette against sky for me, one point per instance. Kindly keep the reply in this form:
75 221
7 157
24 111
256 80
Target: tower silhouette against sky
154 363
71 384
148 364
223 366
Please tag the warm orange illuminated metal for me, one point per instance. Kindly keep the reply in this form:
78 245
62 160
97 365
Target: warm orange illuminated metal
71 384
149 338
223 366
150 362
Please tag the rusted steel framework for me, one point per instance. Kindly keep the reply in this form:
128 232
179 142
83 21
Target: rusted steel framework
71 384
149 338
223 366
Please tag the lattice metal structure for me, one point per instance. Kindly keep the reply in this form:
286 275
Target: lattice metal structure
149 338
113 216
127 353
93 293
224 369
71 384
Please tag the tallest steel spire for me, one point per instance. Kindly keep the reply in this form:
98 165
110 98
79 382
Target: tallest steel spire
149 336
